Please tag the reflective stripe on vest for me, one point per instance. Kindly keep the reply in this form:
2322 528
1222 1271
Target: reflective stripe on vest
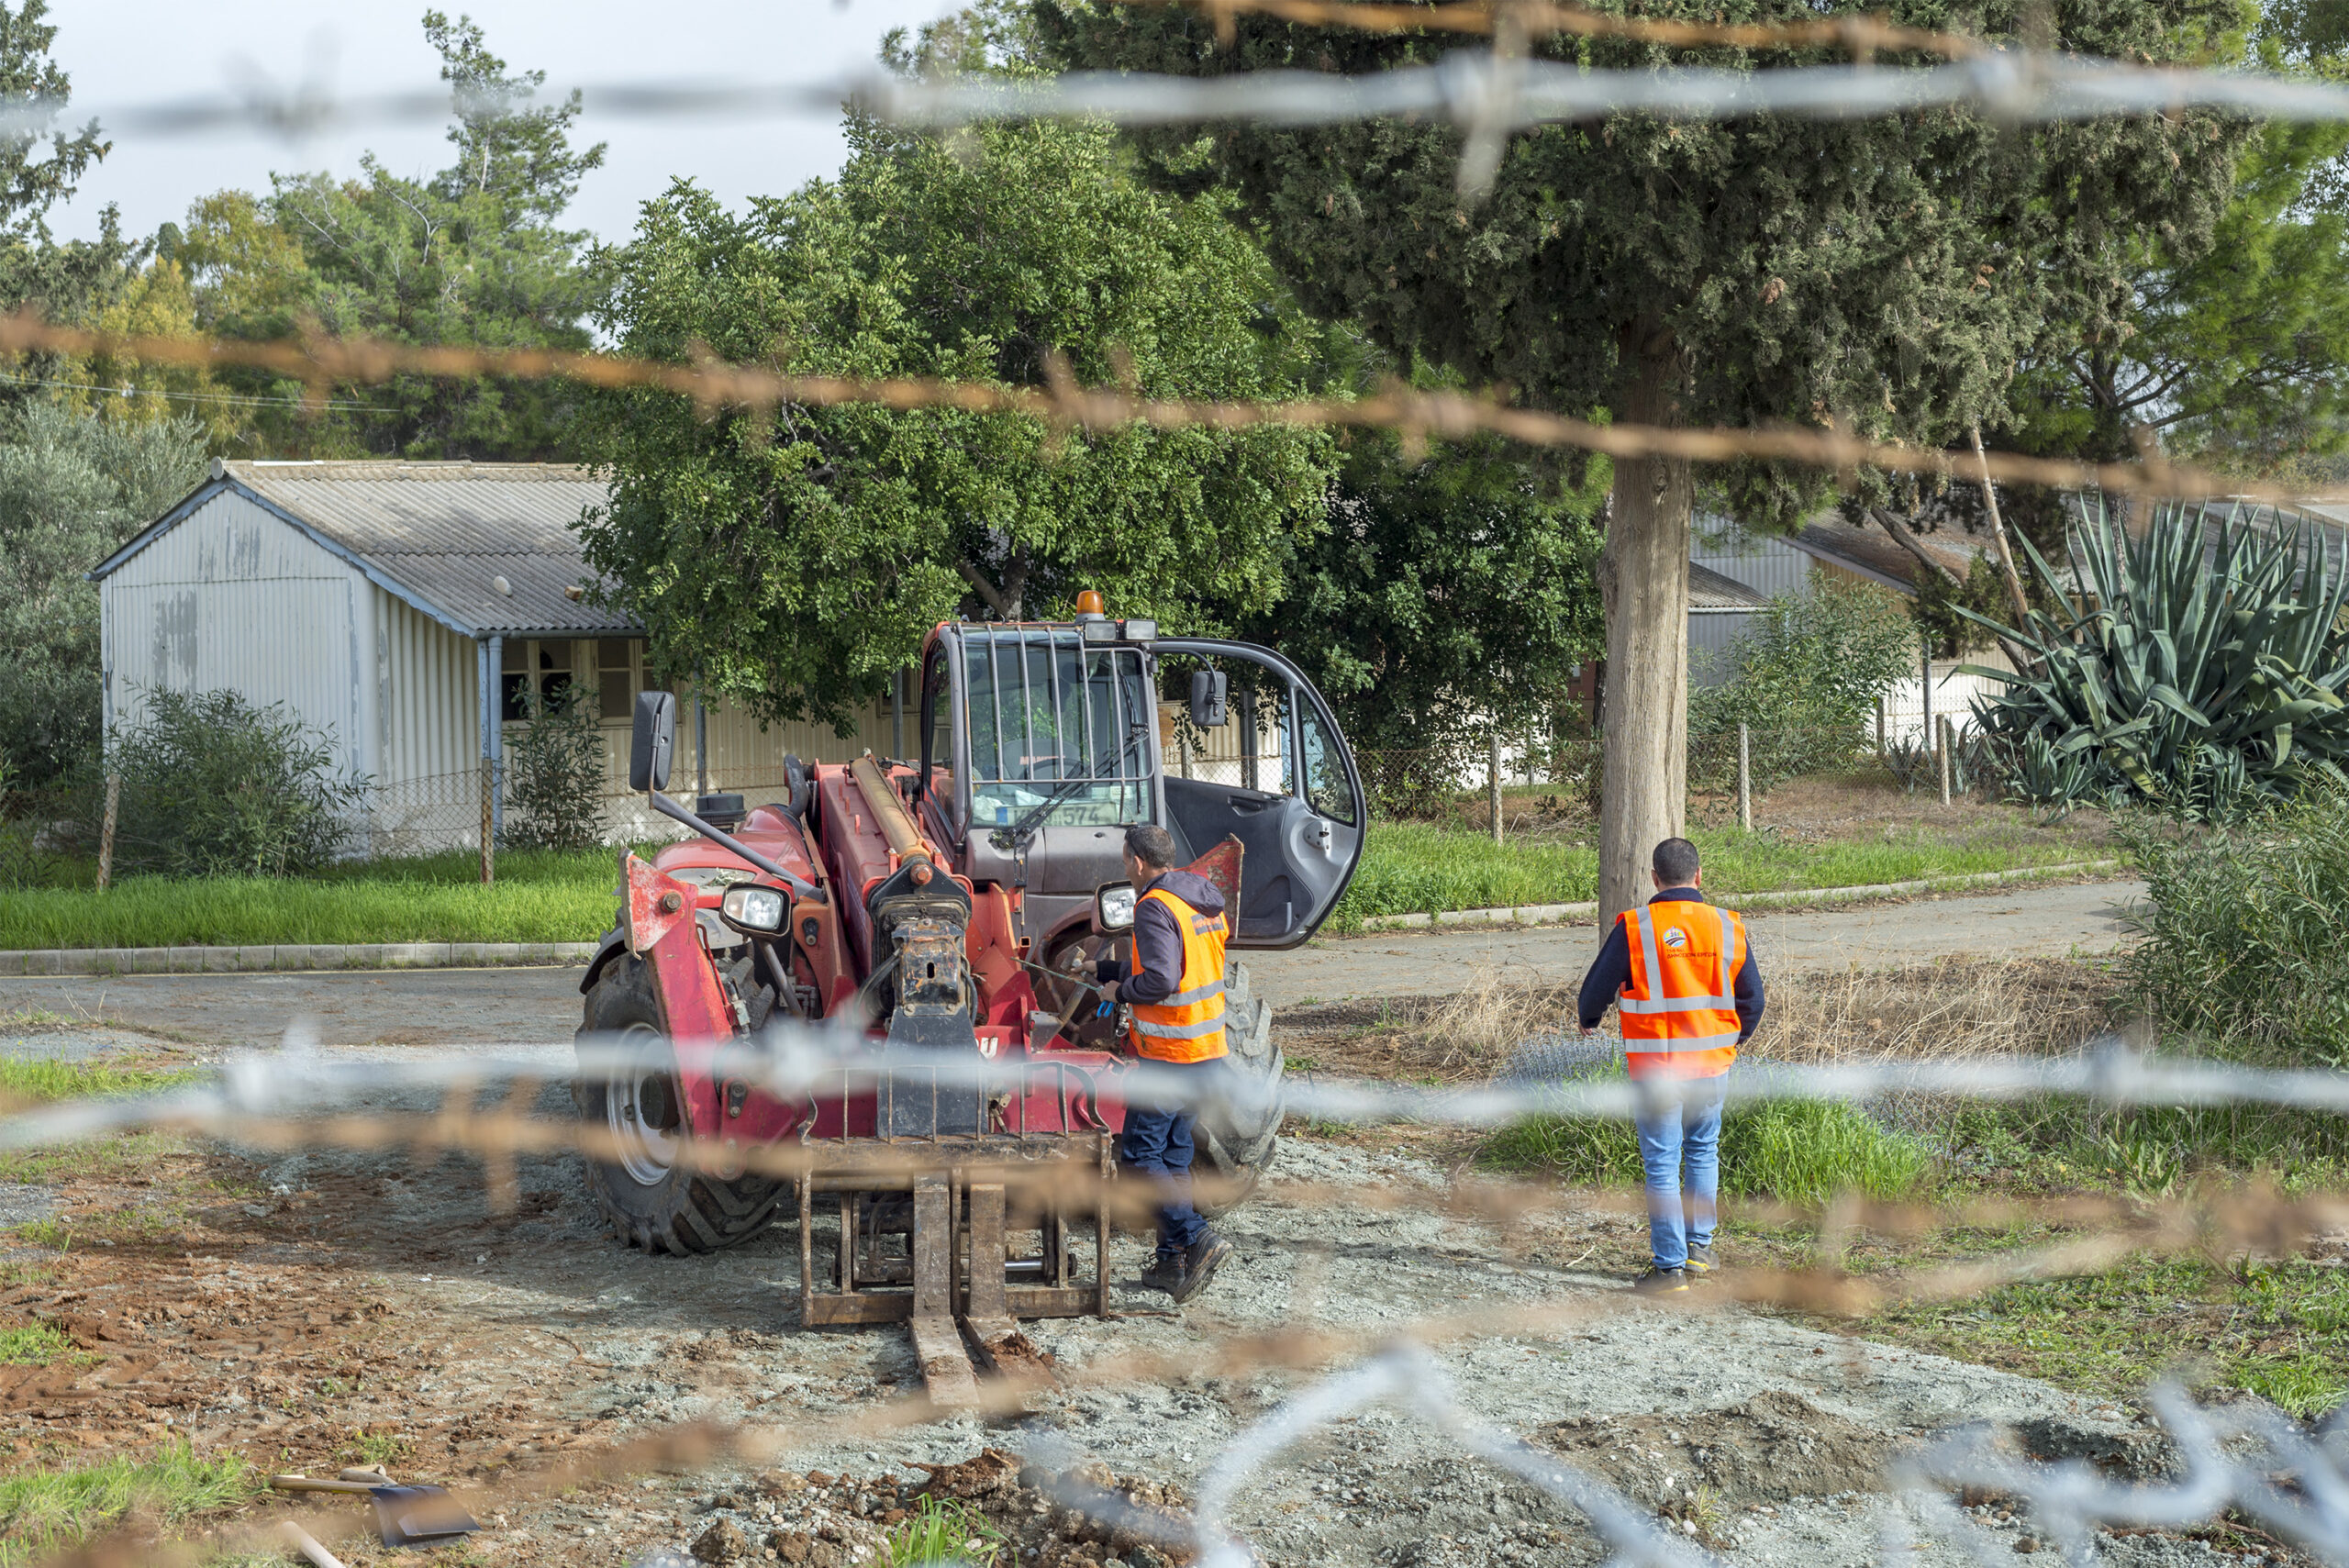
1188 1025
1660 1013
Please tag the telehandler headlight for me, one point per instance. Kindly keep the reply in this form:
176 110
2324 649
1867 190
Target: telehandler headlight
1113 907
760 909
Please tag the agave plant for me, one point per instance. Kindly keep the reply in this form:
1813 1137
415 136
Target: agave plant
2200 673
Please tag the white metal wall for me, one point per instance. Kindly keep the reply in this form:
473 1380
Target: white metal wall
1710 635
429 699
1769 566
232 597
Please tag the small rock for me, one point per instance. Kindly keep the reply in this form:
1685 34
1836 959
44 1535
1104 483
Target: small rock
721 1542
791 1545
777 1483
2026 1543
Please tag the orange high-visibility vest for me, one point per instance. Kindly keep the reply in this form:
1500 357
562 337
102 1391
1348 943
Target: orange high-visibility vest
1679 1016
1188 1025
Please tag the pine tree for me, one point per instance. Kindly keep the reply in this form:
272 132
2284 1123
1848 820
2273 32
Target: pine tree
1885 276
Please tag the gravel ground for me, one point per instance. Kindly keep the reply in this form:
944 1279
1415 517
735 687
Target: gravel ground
511 1336
660 1340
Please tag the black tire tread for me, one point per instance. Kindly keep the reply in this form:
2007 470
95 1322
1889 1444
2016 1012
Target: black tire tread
1240 1139
687 1213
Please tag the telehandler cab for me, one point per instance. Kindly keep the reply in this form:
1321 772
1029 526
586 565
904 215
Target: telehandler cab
937 916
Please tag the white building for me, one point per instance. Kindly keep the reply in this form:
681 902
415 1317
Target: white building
381 601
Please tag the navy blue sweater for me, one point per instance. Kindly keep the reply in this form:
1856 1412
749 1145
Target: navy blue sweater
1157 940
1611 971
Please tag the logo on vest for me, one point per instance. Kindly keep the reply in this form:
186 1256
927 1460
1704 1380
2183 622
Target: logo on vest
1674 936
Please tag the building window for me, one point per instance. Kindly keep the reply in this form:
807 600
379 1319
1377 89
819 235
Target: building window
616 679
529 664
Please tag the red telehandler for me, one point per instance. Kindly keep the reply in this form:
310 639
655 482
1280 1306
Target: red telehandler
931 921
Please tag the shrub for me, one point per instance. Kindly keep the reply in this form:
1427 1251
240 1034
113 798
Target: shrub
554 777
2202 673
2244 949
1805 683
72 488
213 785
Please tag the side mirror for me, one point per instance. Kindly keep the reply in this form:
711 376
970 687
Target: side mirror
1207 699
1113 908
654 738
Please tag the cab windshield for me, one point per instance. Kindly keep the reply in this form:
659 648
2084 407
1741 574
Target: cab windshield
1056 720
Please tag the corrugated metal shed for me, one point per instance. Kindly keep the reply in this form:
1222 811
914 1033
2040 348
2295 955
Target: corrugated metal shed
442 536
1710 592
1767 563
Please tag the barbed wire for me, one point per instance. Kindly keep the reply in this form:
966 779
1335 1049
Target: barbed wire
260 1097
322 363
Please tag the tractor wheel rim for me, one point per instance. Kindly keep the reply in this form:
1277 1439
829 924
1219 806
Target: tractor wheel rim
646 1152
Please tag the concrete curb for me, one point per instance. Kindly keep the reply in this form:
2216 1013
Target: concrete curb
291 956
1553 914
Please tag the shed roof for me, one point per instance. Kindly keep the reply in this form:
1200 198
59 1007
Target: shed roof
1872 554
1711 592
438 535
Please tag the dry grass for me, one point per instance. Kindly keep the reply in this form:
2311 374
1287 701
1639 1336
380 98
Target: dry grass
1950 1009
1953 1007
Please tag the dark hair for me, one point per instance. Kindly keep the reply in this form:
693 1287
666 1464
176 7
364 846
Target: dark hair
1675 863
1151 844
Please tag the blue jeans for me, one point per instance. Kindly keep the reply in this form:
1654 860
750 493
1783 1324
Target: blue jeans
1156 1144
1679 1123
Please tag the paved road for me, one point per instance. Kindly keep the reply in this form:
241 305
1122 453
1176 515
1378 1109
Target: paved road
511 1006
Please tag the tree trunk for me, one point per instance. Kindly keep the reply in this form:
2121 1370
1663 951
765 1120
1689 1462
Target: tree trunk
1644 586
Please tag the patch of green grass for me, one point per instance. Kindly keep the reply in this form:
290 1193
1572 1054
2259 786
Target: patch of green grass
378 1449
948 1532
1800 1152
2280 1331
46 1511
541 895
125 1154
113 1227
44 1078
1410 868
2056 1144
34 1344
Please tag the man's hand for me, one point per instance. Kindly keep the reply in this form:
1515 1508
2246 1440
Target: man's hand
1590 1030
1109 991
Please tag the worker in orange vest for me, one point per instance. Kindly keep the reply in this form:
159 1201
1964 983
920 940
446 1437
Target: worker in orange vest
1690 993
1173 989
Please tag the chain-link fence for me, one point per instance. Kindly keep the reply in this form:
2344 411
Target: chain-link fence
1558 785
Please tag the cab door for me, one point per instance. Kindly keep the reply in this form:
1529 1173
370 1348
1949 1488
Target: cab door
1277 775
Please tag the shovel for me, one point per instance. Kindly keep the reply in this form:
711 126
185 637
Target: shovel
405 1516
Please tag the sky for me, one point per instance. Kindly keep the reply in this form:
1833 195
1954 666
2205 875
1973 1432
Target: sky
127 52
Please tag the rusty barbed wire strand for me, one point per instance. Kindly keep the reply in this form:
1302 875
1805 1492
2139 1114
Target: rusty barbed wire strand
322 363
1859 35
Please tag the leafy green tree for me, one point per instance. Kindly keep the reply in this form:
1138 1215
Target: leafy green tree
475 255
30 183
796 554
72 488
1448 593
1885 274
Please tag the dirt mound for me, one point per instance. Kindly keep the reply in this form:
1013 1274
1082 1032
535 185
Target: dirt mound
1773 1448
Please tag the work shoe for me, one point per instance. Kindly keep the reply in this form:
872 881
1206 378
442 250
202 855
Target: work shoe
1700 1262
1662 1282
1206 1255
1165 1274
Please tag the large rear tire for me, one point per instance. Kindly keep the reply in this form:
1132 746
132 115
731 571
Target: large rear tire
651 1201
1237 1136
